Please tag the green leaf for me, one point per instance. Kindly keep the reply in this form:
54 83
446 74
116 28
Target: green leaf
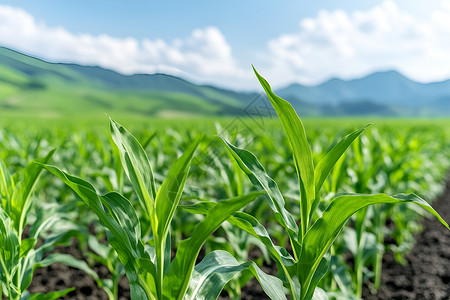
100 249
121 219
106 180
21 198
169 193
285 263
201 208
321 270
251 225
88 194
303 161
319 294
341 275
177 278
47 296
68 260
137 167
45 220
258 176
61 232
6 187
141 281
218 268
125 215
322 234
10 249
26 245
327 163
148 140
166 202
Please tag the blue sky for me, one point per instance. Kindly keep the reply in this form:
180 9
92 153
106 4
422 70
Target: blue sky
217 41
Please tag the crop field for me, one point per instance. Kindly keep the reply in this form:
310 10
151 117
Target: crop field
254 207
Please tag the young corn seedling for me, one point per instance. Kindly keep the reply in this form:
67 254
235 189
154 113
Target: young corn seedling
366 243
151 272
19 256
312 239
237 241
105 255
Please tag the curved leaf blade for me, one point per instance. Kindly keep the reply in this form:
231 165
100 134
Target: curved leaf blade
137 166
169 193
10 247
293 127
6 187
248 163
323 168
68 260
21 198
218 268
251 225
121 220
47 296
177 278
322 234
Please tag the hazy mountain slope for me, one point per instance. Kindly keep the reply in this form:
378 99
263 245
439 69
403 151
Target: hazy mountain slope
37 87
390 92
30 84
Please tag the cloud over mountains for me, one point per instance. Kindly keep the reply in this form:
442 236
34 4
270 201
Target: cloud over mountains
331 44
341 44
204 53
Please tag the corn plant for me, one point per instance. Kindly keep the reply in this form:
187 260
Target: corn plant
235 241
312 239
105 255
20 256
101 253
151 271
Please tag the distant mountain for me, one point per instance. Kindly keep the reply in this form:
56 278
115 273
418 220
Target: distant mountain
381 93
33 87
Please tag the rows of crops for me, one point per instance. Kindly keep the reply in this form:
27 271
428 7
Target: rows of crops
178 211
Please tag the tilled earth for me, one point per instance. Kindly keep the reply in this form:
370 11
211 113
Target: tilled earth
58 276
425 276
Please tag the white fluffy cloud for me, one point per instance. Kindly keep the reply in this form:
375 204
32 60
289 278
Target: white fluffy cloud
353 44
204 55
333 43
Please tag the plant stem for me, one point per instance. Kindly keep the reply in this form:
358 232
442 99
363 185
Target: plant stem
379 224
360 240
291 284
359 278
6 276
160 265
147 291
234 290
115 287
304 222
377 270
333 284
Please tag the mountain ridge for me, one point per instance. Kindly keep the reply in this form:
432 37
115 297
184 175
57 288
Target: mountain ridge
388 88
68 88
148 94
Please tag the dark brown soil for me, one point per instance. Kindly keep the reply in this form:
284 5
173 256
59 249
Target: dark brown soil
425 276
58 276
427 272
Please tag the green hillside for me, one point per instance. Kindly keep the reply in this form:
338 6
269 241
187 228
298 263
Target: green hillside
34 88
